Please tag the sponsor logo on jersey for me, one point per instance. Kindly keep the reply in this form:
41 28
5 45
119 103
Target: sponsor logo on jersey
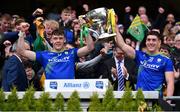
150 66
64 59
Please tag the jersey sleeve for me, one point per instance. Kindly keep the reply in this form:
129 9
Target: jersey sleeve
75 54
138 55
39 57
169 65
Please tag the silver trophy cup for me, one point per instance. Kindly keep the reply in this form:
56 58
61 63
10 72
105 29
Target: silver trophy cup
97 21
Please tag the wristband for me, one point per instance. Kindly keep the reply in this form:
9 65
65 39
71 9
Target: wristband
21 34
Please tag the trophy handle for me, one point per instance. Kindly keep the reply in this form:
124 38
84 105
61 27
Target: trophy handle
95 33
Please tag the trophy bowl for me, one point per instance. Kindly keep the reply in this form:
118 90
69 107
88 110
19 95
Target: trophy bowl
99 24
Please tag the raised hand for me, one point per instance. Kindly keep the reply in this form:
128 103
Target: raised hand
161 10
125 72
24 27
114 72
37 12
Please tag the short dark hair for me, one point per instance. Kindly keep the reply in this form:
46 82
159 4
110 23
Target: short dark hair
18 21
165 46
156 33
66 10
28 64
58 32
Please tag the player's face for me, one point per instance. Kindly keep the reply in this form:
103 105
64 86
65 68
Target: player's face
152 44
58 42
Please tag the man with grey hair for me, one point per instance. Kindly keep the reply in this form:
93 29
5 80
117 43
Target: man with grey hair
14 74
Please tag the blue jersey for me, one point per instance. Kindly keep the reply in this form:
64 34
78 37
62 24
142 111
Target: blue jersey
151 72
58 65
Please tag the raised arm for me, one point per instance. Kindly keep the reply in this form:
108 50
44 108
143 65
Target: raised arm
20 46
88 48
129 51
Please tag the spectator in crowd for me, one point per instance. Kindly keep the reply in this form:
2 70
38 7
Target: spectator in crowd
76 27
176 61
33 79
176 53
59 63
170 41
17 24
167 29
13 21
5 23
13 35
109 69
168 24
50 26
165 49
78 41
85 8
160 19
145 20
73 14
65 20
127 17
141 10
13 71
170 19
176 28
154 68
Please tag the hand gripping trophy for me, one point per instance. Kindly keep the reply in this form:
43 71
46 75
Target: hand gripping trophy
101 23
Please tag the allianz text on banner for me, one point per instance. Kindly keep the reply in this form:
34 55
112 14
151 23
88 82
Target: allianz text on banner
76 84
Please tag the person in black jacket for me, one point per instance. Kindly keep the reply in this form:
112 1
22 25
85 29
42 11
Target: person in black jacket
108 69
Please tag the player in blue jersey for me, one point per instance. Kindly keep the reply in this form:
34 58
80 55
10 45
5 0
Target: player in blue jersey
59 63
154 68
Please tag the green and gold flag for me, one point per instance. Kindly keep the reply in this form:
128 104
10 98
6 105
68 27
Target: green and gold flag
137 29
39 43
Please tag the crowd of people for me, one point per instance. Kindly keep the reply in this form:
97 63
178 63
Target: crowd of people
49 47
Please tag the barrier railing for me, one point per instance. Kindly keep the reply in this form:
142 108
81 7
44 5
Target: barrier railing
85 96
